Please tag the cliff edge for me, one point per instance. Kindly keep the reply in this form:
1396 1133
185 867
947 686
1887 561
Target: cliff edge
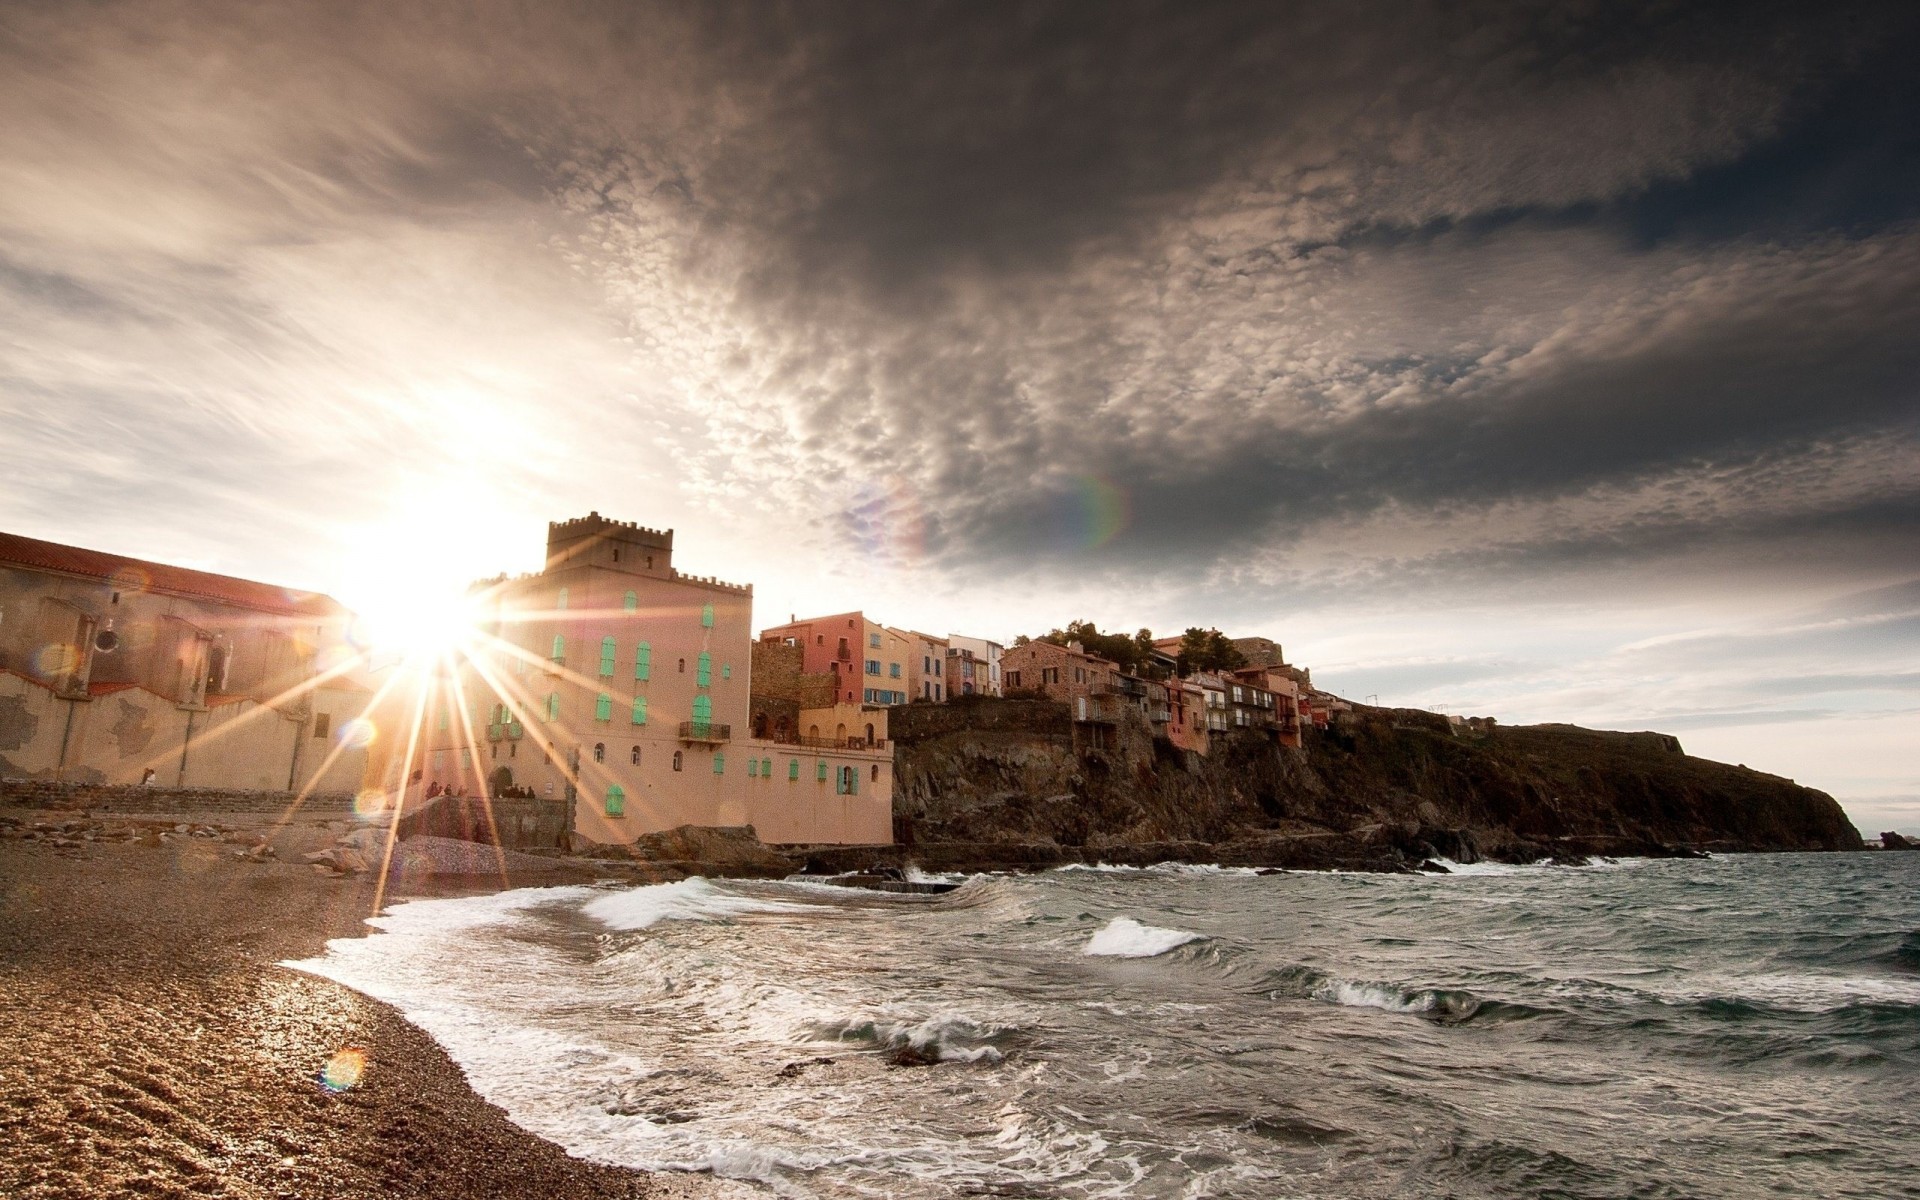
1011 783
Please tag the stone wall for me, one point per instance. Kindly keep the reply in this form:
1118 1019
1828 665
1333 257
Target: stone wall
779 673
42 793
522 824
918 722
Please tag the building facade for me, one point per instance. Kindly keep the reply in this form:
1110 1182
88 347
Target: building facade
117 670
613 679
980 670
926 665
869 660
1065 673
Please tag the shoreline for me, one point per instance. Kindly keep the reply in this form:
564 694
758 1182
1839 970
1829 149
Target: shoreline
161 1049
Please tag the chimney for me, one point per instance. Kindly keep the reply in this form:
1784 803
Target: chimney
1077 647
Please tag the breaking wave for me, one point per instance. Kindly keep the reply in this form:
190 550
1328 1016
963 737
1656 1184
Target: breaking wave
693 899
1124 937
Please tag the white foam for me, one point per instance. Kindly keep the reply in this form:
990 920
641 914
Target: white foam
1124 937
693 899
1373 995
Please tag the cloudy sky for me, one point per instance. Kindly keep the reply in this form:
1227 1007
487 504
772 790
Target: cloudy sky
1554 362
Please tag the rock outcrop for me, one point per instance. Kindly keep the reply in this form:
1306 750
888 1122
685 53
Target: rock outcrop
1388 789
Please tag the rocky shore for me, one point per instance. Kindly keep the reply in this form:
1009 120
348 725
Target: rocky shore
155 1049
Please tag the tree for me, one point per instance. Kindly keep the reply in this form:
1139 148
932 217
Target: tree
1207 650
1132 654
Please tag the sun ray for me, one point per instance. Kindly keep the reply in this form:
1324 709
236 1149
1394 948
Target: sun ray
486 795
400 799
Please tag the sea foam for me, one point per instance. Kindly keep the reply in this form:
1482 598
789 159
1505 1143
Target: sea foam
1124 937
693 899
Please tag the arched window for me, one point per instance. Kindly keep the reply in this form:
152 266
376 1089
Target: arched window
643 661
553 706
636 756
599 752
608 649
676 760
813 731
632 602
702 709
683 666
639 710
876 772
869 733
603 707
616 800
559 648
840 733
703 670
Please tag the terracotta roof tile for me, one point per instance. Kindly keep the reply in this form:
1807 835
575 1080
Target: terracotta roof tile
133 574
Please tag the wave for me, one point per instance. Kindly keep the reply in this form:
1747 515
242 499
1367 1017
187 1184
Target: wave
695 899
1124 937
1447 1006
1164 868
945 1037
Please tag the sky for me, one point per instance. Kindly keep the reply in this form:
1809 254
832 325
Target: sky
1554 362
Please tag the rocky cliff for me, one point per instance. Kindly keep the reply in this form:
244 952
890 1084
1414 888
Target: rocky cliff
1011 783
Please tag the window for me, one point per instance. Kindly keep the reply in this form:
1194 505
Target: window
873 666
440 718
847 783
876 772
553 706
893 669
321 723
632 601
820 771
603 707
726 671
706 615
683 666
599 752
1013 679
639 711
560 602
937 665
753 768
703 670
559 648
719 764
926 665
867 696
676 760
608 649
873 640
766 767
616 800
703 709
643 661
793 770
636 756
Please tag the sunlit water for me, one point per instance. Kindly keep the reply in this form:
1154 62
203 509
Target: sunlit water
1736 1027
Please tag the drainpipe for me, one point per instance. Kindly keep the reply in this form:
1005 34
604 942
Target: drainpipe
184 743
60 765
293 768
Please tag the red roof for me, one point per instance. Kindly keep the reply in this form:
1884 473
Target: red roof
134 574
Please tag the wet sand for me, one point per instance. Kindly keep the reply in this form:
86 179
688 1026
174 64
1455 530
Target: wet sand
154 1049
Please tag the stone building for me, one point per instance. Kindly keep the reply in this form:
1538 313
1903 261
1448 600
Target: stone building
113 667
1065 673
613 679
869 660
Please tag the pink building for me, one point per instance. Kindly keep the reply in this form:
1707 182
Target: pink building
616 682
869 660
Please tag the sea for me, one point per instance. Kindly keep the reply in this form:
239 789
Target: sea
1745 1025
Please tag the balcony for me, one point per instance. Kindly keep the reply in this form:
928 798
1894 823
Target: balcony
820 743
710 732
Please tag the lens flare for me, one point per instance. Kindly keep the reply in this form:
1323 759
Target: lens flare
344 1070
56 658
356 734
1099 511
370 803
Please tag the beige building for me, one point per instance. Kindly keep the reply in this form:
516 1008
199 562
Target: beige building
614 680
112 668
926 665
973 666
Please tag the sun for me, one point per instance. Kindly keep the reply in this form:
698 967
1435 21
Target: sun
410 593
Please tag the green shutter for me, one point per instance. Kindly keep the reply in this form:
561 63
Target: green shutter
603 707
639 710
706 616
821 773
753 768
793 769
608 648
703 709
559 647
766 767
704 675
643 661
719 764
726 671
562 601
616 800
632 602
553 706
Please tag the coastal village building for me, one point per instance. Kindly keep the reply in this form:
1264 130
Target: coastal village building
615 682
117 670
979 673
869 660
926 665
1064 673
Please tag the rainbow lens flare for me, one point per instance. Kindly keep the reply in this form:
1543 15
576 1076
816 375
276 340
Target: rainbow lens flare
344 1070
57 658
356 734
369 802
1098 511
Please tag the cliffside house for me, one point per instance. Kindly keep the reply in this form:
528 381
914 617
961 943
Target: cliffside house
111 667
1064 673
926 665
618 683
869 660
980 670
